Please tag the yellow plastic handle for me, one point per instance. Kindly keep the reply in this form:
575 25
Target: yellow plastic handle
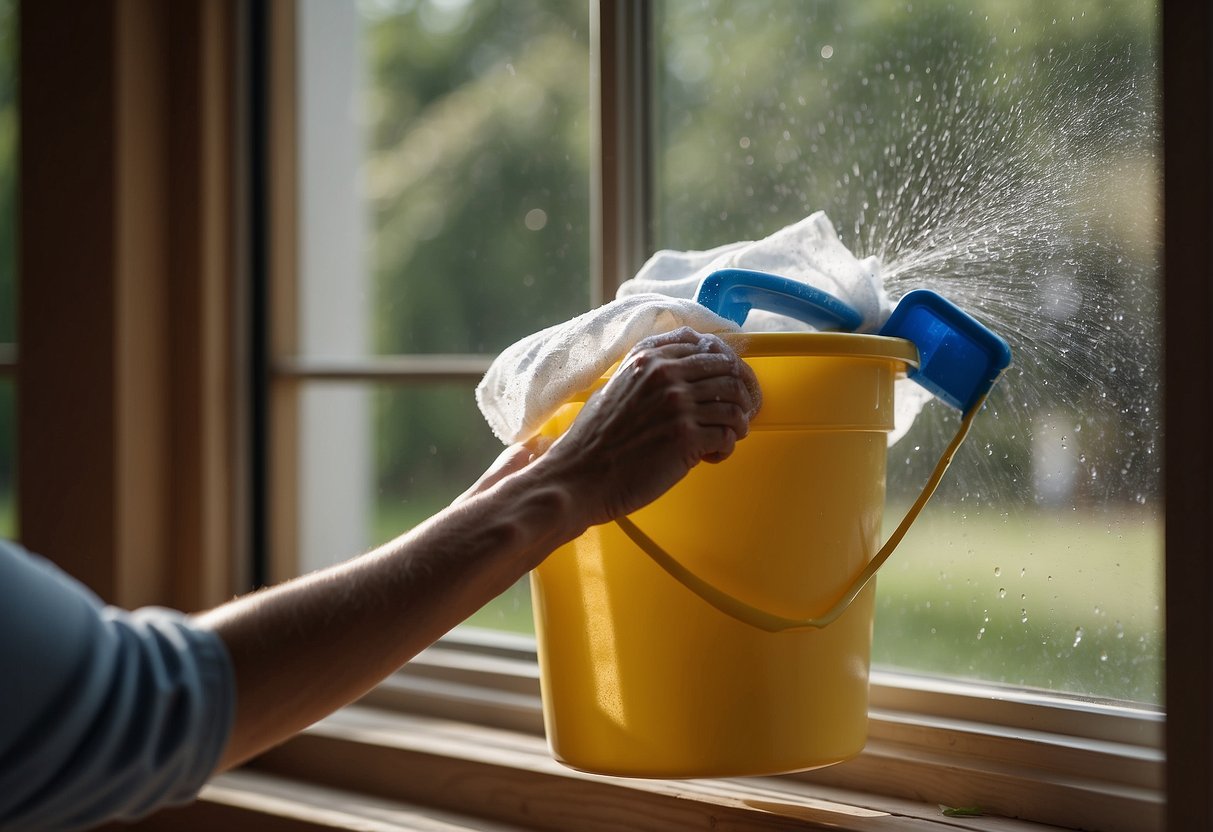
771 623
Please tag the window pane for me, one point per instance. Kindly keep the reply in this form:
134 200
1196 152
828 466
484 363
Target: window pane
443 173
377 460
1009 160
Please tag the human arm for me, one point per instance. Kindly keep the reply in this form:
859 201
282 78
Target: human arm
104 713
307 647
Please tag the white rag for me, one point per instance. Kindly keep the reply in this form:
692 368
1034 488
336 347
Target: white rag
808 251
531 379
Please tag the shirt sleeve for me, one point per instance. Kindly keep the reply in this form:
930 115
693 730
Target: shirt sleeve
104 713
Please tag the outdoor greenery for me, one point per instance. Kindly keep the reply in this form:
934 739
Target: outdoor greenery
478 171
1087 624
1003 154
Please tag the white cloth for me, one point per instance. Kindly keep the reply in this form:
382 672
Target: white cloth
534 377
531 379
808 251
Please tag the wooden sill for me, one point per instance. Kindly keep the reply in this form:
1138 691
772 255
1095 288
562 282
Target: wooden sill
508 777
252 801
456 739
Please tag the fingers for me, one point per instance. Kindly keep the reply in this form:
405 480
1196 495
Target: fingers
679 398
711 376
683 335
729 389
720 442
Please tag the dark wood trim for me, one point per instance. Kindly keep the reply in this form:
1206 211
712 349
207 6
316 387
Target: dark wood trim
205 540
1188 303
282 206
124 457
67 380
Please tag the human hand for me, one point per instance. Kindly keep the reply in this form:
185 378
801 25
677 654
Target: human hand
677 399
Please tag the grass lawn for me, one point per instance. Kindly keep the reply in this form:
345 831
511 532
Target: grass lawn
1064 601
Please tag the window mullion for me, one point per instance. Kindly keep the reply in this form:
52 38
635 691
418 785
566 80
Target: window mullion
619 191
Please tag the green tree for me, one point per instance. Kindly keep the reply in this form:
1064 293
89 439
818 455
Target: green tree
1004 155
478 164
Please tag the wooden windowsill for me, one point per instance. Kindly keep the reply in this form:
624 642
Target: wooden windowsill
508 777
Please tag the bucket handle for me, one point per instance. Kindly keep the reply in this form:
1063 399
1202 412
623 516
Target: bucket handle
960 360
746 613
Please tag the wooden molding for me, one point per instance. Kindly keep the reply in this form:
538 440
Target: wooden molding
124 464
282 164
1187 40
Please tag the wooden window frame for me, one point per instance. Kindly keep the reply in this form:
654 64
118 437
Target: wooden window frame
1053 759
106 392
129 386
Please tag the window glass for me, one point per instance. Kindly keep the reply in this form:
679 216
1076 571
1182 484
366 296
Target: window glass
379 459
8 256
1009 158
444 161
444 208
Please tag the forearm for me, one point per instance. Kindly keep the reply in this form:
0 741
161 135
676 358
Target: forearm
304 648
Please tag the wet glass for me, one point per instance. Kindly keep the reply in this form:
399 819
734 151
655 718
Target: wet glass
1009 160
376 460
444 174
443 209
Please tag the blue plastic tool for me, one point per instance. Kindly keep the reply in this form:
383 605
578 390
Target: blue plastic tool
732 293
959 359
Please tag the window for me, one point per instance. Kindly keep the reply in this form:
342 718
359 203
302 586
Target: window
443 213
1010 160
8 261
1012 749
995 157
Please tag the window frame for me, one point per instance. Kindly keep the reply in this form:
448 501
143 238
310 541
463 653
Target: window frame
1036 755
100 112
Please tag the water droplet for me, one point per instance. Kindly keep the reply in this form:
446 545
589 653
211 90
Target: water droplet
997 571
1078 634
1103 655
1002 592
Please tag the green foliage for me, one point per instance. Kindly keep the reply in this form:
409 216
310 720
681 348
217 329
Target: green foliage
478 166
478 123
917 128
1005 155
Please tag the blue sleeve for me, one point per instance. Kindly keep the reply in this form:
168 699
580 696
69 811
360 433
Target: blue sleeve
104 713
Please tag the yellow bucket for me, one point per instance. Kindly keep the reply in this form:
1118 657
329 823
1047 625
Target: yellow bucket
672 667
